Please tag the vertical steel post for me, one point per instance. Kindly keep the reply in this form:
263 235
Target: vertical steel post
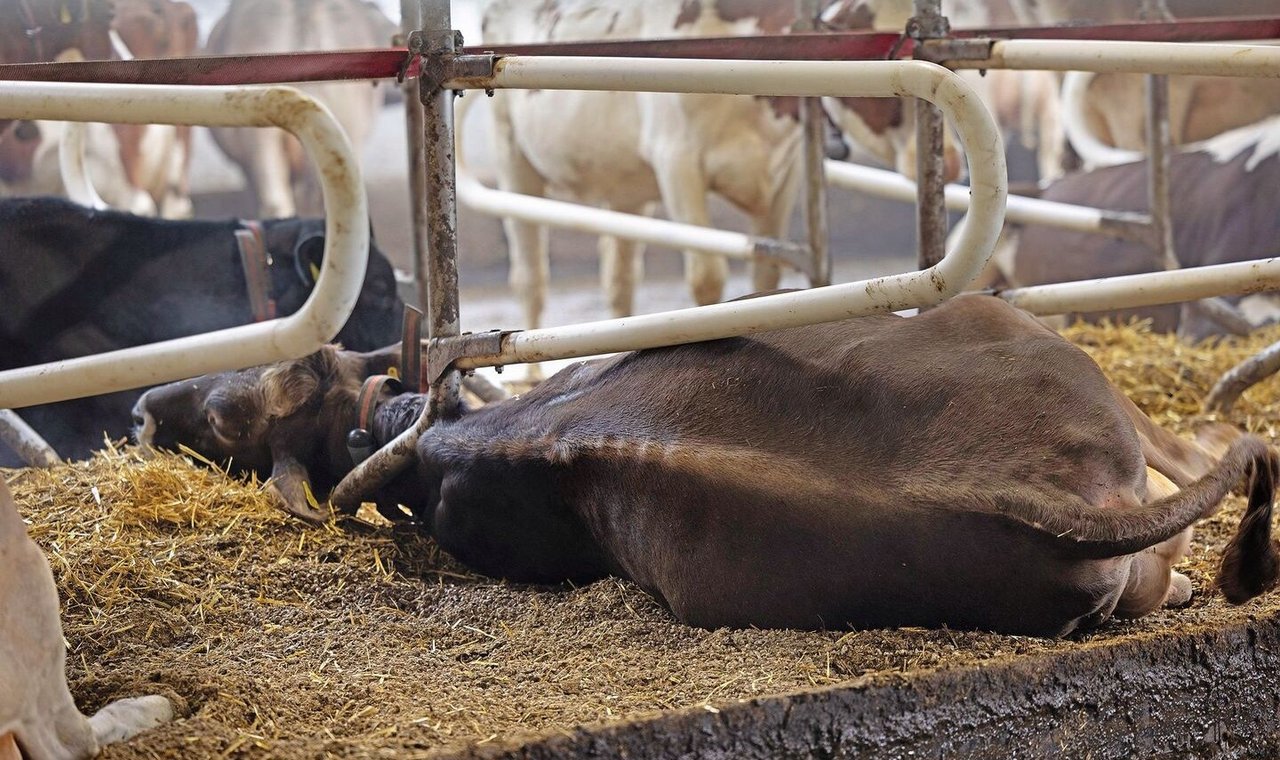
814 122
931 211
417 160
1158 167
440 41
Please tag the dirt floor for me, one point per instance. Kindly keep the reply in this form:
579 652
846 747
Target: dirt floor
282 640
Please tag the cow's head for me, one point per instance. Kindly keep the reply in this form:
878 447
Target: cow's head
286 421
297 252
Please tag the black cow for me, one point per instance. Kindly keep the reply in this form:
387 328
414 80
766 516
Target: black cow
74 281
967 467
1225 208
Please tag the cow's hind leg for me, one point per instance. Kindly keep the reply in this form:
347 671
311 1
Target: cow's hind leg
621 267
1153 582
684 193
526 242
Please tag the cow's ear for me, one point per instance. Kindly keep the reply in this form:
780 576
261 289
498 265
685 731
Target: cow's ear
308 257
288 386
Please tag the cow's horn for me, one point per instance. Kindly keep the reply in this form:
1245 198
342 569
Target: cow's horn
289 486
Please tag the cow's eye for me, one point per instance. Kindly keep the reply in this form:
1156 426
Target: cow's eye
218 423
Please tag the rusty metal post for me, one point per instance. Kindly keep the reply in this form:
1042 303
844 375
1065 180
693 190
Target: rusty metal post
931 212
814 122
1158 167
417 159
438 41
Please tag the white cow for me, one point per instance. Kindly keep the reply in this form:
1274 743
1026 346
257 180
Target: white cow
38 718
271 159
628 151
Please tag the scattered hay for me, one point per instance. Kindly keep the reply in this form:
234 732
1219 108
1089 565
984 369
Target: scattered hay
290 641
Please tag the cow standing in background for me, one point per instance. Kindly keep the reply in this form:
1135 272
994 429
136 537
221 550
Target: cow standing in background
272 160
38 718
629 151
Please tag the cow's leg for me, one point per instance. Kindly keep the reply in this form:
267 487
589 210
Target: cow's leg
271 175
684 193
126 718
774 224
1153 582
526 242
621 267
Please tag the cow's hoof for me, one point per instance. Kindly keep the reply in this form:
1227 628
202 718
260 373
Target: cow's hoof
1180 591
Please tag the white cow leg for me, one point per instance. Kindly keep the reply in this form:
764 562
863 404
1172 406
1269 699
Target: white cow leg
766 274
684 192
123 719
271 175
621 267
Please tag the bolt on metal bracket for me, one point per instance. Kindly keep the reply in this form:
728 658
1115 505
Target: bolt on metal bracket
442 352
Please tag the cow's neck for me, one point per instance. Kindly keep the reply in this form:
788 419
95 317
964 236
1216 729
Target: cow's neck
395 416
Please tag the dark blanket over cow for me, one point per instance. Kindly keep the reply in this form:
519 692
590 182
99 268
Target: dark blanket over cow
967 467
1225 208
74 282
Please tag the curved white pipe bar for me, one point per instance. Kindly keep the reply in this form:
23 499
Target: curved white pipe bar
977 131
1208 59
1154 288
346 233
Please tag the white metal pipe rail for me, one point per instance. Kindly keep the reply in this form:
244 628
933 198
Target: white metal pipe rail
978 134
1151 289
1208 59
346 233
892 185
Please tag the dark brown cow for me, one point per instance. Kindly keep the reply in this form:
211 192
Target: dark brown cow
967 467
1224 209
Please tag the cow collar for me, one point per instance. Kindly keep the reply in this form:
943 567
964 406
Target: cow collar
256 262
360 440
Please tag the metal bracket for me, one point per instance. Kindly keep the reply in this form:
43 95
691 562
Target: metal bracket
442 352
794 255
435 48
942 50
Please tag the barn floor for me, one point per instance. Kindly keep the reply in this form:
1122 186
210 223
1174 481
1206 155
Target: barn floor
280 640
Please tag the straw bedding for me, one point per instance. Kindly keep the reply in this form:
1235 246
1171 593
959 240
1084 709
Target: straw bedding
282 640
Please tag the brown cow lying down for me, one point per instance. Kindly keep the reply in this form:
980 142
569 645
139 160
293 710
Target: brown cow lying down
966 467
38 718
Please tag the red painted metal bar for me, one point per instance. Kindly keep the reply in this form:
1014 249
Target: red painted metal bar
386 63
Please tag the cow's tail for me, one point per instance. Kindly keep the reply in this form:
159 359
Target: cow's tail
1093 151
1251 563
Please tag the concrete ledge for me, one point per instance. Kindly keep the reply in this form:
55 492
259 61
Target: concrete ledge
1207 694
